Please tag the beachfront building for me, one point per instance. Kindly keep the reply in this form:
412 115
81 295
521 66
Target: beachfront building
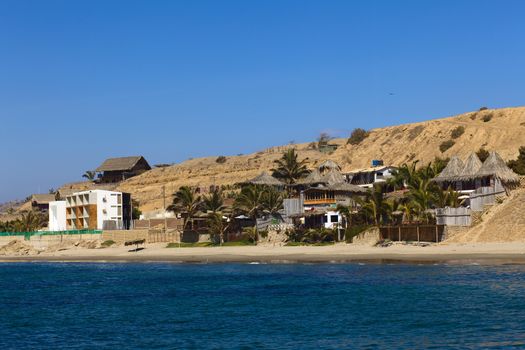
320 193
120 169
98 210
41 201
57 216
473 175
368 177
480 185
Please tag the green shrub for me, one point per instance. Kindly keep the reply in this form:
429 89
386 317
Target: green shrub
457 132
354 231
107 243
189 245
487 117
482 154
483 109
415 132
445 145
473 116
357 136
221 159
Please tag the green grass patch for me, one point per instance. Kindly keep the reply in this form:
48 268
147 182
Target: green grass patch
237 243
189 245
107 243
299 244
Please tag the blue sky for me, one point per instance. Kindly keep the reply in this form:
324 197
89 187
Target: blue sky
81 81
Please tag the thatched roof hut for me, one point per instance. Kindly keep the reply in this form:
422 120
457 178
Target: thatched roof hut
495 166
346 187
313 178
328 165
471 168
333 177
451 171
265 179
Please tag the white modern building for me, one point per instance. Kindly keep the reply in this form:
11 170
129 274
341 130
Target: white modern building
57 216
98 210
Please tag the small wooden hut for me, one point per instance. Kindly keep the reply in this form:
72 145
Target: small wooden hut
449 175
495 173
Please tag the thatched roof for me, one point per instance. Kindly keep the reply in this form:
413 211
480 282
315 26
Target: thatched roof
42 198
333 177
314 177
329 165
265 179
120 164
495 166
471 167
451 171
346 187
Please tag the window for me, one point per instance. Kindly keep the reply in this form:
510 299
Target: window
334 218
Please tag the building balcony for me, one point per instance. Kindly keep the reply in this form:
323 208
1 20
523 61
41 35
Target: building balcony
319 201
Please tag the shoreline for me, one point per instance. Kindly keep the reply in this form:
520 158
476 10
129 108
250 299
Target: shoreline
482 253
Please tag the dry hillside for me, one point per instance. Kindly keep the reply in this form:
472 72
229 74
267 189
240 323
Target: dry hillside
501 130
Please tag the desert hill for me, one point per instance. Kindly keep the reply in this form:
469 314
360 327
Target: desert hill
494 129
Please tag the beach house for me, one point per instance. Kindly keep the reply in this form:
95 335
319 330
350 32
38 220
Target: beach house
120 169
368 177
321 192
94 210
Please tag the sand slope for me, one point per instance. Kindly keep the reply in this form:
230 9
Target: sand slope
395 145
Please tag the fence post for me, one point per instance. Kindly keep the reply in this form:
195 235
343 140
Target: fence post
399 232
417 229
437 234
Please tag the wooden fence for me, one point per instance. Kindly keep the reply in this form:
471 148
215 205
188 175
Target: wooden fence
485 196
159 236
418 233
453 216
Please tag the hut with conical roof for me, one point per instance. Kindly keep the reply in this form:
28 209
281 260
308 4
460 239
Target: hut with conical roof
466 180
451 171
328 165
495 173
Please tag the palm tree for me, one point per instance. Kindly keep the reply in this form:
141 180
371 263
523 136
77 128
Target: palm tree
423 196
214 202
30 222
272 201
217 225
374 205
90 175
250 201
186 201
346 213
289 168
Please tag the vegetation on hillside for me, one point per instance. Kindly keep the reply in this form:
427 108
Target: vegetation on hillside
29 222
445 145
518 164
357 136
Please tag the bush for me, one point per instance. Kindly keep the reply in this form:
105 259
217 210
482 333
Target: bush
482 154
107 243
357 136
221 159
487 117
354 231
518 165
457 132
445 145
483 109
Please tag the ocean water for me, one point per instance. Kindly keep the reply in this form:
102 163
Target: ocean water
249 306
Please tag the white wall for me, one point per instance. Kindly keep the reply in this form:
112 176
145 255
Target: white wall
57 216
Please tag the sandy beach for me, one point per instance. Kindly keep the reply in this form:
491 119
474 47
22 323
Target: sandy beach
461 253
